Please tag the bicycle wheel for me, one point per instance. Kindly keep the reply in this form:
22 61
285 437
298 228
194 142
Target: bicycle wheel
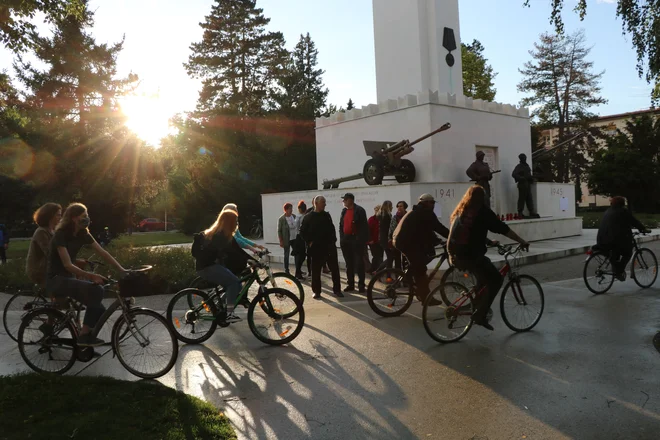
288 282
201 283
455 275
46 341
598 273
644 268
448 323
17 308
273 321
192 325
522 303
390 293
149 348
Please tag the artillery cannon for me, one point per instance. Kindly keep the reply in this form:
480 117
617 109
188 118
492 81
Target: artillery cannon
386 160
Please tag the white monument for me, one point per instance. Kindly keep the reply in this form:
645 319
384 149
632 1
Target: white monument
420 88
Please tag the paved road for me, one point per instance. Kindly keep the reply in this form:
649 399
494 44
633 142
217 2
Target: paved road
588 371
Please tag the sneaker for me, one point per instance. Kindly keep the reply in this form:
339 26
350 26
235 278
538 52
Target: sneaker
485 325
362 289
348 289
88 340
341 295
317 296
232 317
621 276
489 315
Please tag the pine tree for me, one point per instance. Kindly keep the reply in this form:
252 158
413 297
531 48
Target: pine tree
237 59
350 105
302 94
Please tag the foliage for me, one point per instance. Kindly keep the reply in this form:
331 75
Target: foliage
478 76
350 105
640 19
629 166
104 408
563 88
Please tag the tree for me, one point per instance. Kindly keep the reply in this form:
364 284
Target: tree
563 88
639 18
15 27
350 105
303 93
629 166
237 59
478 76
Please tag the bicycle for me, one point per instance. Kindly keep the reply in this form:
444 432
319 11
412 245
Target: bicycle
644 269
457 302
400 278
194 314
51 334
257 230
23 301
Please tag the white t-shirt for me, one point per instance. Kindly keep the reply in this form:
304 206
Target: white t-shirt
293 230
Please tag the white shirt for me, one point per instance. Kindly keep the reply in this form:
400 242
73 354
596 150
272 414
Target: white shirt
293 230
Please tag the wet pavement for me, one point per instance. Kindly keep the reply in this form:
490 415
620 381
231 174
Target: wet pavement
587 371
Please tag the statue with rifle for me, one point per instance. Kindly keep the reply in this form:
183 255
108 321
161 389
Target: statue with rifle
481 173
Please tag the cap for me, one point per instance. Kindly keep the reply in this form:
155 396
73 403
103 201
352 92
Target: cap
480 153
348 196
426 198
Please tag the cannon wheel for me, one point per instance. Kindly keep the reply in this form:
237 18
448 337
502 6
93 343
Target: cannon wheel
373 172
406 172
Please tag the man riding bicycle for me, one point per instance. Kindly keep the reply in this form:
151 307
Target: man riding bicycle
615 234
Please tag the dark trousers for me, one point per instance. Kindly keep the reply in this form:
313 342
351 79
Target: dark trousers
353 252
620 257
376 256
3 254
86 292
418 260
487 275
319 259
525 197
299 256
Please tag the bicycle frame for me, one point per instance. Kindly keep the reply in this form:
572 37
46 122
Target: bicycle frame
608 254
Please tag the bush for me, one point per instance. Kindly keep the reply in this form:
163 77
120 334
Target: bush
173 268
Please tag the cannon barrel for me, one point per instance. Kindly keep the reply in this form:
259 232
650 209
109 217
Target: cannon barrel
405 143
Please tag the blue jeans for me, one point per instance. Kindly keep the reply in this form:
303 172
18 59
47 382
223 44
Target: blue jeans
220 275
86 292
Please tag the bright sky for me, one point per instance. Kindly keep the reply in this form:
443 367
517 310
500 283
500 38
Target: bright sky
159 32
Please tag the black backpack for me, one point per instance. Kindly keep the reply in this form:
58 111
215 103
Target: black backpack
199 248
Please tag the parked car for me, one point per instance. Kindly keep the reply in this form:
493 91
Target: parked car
153 224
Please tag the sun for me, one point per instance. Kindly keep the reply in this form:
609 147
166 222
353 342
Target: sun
147 117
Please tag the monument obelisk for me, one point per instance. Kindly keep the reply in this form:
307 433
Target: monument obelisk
417 47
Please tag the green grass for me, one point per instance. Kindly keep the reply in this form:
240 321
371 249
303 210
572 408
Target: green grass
51 407
19 249
591 219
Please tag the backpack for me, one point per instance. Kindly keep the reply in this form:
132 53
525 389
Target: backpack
199 249
459 237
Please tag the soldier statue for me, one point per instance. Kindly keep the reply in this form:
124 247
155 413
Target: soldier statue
481 174
522 174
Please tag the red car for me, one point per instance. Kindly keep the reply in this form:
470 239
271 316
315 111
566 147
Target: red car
153 224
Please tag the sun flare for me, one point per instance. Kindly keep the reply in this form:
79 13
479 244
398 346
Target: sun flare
148 117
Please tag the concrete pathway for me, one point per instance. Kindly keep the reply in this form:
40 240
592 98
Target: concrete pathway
587 371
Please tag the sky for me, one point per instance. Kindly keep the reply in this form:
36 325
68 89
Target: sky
158 34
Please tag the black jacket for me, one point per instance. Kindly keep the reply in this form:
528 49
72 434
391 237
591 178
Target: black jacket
616 227
416 230
522 173
318 229
360 224
384 222
216 251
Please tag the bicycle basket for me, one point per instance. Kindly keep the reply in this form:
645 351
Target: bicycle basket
135 284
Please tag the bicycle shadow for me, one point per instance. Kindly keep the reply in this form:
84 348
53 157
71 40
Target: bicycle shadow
290 392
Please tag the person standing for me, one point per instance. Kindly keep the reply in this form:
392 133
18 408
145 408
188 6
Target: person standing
4 243
384 222
374 241
320 235
286 232
415 238
480 172
299 243
522 174
353 238
46 217
401 211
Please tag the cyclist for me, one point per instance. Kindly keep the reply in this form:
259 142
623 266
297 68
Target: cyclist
46 217
415 237
243 242
470 223
212 249
71 234
615 234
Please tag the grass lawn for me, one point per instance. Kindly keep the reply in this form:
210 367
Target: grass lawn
591 220
46 407
19 248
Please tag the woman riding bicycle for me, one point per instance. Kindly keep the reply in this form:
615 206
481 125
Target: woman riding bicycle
211 262
71 234
470 223
46 217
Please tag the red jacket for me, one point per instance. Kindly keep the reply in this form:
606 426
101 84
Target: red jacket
373 229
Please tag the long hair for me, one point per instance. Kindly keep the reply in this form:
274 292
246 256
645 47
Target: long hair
473 200
45 214
386 209
66 223
226 224
231 206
